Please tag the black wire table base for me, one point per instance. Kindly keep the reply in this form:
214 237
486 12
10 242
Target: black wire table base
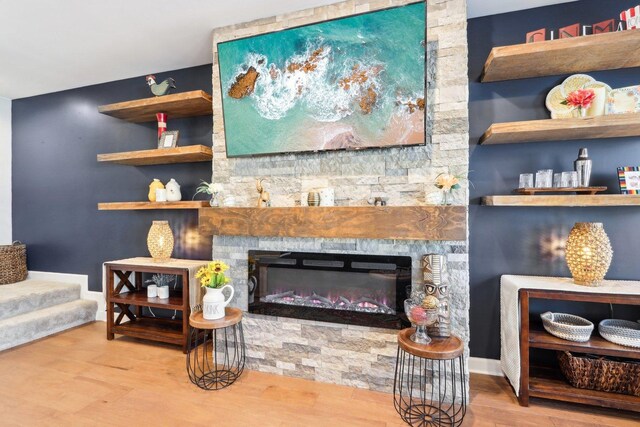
215 357
430 392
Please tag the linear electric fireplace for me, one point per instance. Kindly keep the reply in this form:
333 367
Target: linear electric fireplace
366 290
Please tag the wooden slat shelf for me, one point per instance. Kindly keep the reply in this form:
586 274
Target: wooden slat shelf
564 200
539 338
151 328
139 298
130 206
178 105
162 156
532 191
366 222
607 51
613 126
558 389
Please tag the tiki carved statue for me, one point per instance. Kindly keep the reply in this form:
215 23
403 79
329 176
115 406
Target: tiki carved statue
434 269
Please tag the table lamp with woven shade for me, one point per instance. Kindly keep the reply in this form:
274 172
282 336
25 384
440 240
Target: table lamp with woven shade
588 253
160 241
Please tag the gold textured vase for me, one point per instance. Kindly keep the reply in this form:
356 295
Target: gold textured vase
588 253
160 241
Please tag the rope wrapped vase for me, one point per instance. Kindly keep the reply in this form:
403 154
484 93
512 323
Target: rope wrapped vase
13 263
588 253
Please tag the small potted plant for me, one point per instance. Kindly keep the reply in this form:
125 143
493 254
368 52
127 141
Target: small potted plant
211 188
213 279
447 183
162 281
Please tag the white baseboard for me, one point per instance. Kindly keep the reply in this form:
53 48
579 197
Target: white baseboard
479 365
80 279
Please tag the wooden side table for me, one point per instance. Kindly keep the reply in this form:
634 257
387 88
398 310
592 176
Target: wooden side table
216 350
429 388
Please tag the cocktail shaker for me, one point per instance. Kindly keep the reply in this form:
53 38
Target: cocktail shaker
583 165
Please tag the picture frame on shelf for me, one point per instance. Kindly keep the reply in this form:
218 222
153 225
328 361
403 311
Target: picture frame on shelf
629 179
169 139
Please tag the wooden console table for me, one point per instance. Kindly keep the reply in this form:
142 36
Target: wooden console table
126 294
548 383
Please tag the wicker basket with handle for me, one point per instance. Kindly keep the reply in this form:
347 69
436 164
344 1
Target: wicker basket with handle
13 263
599 373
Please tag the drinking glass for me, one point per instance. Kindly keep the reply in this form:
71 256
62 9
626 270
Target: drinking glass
544 178
570 179
557 180
526 180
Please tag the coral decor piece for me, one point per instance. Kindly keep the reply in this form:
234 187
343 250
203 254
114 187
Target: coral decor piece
580 99
588 253
162 123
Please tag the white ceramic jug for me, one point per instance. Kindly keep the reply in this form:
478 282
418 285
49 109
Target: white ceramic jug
213 303
173 191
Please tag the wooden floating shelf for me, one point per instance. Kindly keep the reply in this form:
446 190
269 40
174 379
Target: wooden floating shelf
564 200
162 156
532 191
363 222
129 206
613 126
177 105
607 51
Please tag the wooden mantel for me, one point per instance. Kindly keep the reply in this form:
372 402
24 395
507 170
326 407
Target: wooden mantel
361 222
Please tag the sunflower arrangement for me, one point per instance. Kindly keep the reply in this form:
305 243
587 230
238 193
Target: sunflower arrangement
212 276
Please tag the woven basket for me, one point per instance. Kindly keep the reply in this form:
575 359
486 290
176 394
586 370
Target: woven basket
567 326
623 332
13 263
599 373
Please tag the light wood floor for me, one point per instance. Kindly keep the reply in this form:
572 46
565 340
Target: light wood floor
79 378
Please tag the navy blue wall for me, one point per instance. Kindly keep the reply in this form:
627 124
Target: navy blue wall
506 240
57 182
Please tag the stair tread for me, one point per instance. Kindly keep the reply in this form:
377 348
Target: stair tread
31 295
47 311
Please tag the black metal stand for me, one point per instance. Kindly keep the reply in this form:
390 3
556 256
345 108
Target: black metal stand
215 357
430 392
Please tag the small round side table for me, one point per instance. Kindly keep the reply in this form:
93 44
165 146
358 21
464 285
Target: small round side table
429 388
216 350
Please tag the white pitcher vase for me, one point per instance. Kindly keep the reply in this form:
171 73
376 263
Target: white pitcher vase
213 303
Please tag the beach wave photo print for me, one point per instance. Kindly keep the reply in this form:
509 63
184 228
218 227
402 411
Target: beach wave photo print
350 83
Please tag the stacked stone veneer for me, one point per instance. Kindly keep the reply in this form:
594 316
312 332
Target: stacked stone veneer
351 355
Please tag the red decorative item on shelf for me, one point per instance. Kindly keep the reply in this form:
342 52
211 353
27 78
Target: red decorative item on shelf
162 123
537 36
569 31
631 17
608 26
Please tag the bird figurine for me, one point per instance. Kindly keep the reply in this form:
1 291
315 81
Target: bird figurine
159 89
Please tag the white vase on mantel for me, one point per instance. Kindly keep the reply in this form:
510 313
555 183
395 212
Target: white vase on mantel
213 303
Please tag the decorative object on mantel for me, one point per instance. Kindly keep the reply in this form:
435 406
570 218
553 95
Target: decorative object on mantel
212 189
13 263
213 279
434 273
168 139
159 89
173 191
588 253
162 123
582 165
264 198
421 313
160 241
447 183
161 283
360 85
567 326
600 373
378 201
313 198
623 332
629 179
155 184
327 196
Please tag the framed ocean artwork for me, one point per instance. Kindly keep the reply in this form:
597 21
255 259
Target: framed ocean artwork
346 84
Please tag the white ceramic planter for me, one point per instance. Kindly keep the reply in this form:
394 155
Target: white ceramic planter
152 291
163 292
213 303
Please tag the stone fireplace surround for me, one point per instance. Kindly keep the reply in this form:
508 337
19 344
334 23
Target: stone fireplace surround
345 354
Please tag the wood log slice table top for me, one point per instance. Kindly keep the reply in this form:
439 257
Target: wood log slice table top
232 317
439 348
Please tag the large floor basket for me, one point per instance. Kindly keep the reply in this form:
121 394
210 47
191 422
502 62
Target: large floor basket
13 263
599 373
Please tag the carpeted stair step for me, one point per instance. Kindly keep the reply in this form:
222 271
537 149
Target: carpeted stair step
31 295
41 323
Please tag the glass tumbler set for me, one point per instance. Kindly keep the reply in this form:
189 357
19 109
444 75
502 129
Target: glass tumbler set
545 178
